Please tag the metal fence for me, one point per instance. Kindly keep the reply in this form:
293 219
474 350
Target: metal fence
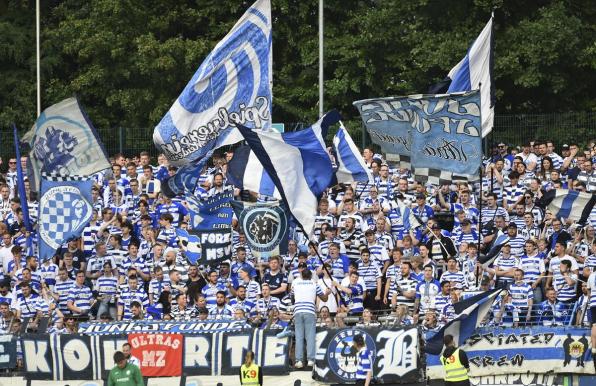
513 129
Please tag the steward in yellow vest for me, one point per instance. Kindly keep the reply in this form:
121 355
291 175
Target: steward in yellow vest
456 364
250 373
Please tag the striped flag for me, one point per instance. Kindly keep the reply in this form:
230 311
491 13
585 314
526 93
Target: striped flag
569 204
21 182
474 72
409 218
350 164
298 164
246 172
191 244
500 240
470 314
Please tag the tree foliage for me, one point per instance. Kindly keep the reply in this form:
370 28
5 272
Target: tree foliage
127 60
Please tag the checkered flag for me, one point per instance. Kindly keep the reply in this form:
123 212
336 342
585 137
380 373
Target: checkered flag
64 210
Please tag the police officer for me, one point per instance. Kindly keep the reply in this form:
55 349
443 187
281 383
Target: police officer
455 362
250 373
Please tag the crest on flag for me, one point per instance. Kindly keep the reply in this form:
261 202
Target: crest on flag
232 86
265 226
63 142
64 210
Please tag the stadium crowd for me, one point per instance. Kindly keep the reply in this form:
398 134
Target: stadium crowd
367 261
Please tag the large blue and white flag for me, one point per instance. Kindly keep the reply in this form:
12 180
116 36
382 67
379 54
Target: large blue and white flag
474 72
21 182
350 164
246 172
470 314
232 86
63 142
440 135
569 204
215 212
64 211
186 179
298 164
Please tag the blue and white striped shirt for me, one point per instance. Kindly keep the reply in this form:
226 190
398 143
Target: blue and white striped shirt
365 363
81 297
521 293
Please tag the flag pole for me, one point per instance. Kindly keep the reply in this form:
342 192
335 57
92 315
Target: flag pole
37 56
21 181
321 74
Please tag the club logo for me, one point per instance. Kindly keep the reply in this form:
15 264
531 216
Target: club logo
63 211
264 226
55 150
342 357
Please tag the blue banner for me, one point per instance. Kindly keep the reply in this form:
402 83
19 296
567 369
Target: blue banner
265 226
440 132
64 211
214 212
232 86
190 327
501 351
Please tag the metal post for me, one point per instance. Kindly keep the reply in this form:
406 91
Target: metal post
38 56
321 75
120 139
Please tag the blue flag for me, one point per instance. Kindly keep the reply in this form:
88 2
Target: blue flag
232 86
246 172
298 164
350 164
470 313
214 212
21 182
440 135
64 142
475 71
64 211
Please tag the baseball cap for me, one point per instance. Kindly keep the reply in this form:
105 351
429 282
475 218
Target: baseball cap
421 196
565 147
512 225
435 226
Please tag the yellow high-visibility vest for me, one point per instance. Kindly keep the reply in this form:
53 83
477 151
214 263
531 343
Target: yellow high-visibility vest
249 375
454 370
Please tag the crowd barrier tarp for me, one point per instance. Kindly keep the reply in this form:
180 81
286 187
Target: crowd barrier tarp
396 354
189 327
79 357
537 350
515 380
8 351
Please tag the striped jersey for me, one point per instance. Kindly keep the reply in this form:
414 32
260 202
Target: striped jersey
48 274
457 279
210 291
264 305
81 297
565 292
369 273
402 286
533 267
107 286
305 293
355 300
592 288
29 306
62 288
127 296
364 364
521 293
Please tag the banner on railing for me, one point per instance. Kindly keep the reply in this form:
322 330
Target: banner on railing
160 354
80 357
190 327
396 355
534 350
8 351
